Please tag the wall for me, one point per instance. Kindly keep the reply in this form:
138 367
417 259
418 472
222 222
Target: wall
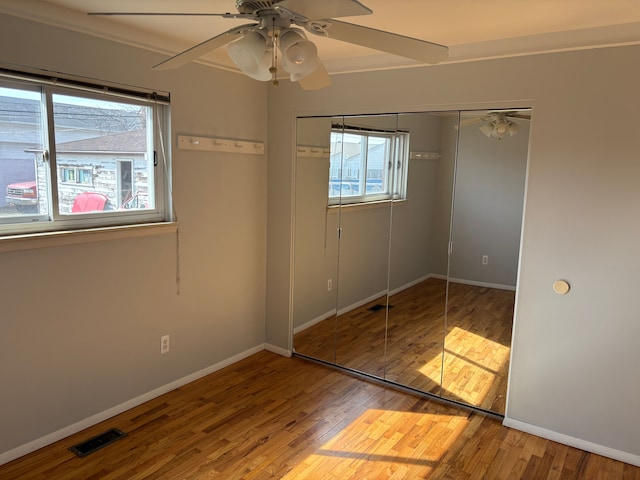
80 325
574 364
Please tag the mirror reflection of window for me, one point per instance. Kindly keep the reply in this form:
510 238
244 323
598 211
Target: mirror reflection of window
367 165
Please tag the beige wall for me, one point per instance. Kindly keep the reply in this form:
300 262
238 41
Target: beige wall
80 325
574 369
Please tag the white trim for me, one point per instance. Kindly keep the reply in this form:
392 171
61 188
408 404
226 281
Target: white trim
32 241
410 284
483 284
277 350
360 303
573 442
311 323
34 445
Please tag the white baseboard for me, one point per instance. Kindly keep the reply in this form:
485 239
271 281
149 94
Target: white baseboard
574 442
410 284
279 350
311 323
483 284
360 303
34 445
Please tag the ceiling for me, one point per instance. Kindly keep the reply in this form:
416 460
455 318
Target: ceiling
472 29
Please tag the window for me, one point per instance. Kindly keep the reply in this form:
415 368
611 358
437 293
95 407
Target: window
75 175
74 158
367 165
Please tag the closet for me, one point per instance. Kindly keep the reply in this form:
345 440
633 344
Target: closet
406 245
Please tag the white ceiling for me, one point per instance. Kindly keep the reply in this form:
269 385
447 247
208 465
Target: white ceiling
472 29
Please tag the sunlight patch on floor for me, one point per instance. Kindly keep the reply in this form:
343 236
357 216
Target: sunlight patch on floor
410 443
470 368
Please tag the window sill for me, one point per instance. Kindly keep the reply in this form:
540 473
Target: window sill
32 241
368 205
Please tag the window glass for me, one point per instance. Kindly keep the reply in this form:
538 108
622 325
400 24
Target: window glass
22 144
91 137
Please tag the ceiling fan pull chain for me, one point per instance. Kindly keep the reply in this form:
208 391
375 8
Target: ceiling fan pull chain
274 65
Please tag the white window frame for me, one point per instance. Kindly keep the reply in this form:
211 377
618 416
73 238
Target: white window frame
394 181
159 160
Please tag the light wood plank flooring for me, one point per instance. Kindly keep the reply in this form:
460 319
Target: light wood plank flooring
463 358
274 417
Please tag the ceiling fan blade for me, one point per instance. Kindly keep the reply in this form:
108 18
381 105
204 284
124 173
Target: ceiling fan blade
314 10
316 80
207 46
173 14
471 121
407 47
520 115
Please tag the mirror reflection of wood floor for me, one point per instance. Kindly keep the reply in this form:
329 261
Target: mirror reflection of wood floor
466 360
271 417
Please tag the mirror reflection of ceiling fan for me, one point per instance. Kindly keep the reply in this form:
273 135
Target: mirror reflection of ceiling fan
254 47
498 123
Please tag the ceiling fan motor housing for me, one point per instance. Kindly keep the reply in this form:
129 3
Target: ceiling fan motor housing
253 6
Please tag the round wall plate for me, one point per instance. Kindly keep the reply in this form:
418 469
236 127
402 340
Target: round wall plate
561 287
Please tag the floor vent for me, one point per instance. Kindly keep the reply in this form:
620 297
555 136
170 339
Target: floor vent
96 443
378 306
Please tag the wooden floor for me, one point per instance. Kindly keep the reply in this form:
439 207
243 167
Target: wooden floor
270 417
463 356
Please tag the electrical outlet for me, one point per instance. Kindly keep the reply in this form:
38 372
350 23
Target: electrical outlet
485 259
164 344
329 285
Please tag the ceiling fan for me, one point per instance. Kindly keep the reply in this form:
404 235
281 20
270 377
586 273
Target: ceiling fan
498 123
254 47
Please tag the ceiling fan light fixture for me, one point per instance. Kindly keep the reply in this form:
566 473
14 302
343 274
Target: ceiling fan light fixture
487 129
296 77
252 55
499 127
299 55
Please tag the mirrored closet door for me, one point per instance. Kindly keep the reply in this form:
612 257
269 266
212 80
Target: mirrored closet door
406 244
362 174
419 251
483 265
